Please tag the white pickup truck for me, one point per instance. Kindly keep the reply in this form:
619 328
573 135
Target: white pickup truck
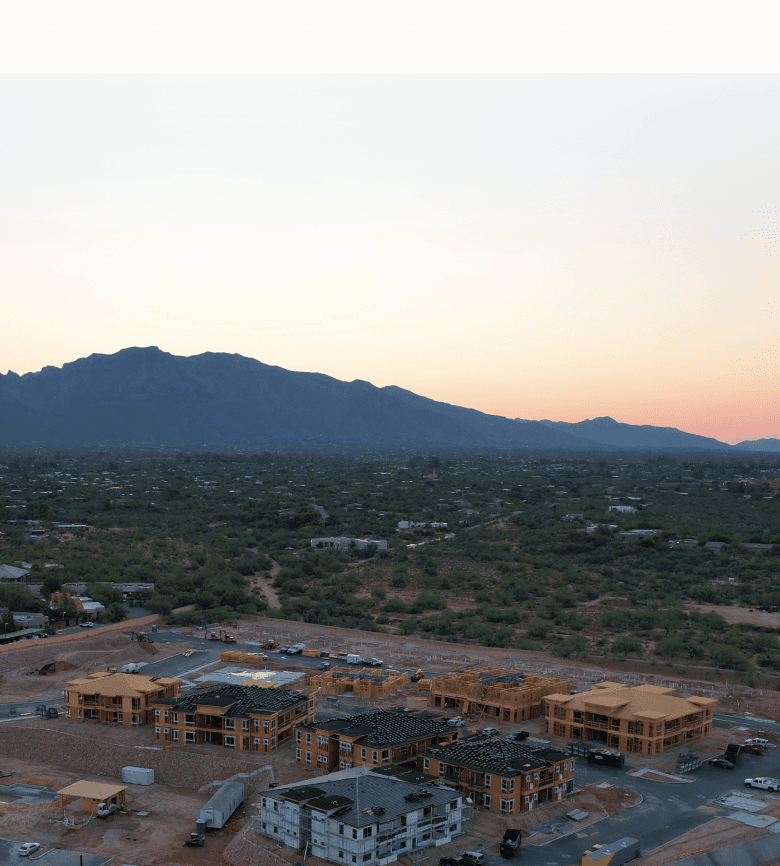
765 782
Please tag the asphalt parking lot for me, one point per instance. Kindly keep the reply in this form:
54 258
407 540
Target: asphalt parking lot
52 857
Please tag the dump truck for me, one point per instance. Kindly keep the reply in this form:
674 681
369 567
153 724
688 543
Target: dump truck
606 758
510 843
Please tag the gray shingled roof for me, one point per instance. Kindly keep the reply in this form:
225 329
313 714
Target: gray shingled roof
362 796
382 728
502 757
239 700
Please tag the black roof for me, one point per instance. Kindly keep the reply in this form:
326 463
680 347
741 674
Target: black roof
392 727
502 757
239 700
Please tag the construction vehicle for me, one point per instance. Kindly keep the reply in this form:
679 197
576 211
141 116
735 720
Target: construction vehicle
510 842
144 641
220 634
606 757
196 840
269 644
417 676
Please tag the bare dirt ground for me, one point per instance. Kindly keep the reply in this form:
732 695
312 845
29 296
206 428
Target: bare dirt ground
156 839
718 833
733 614
96 653
151 839
265 585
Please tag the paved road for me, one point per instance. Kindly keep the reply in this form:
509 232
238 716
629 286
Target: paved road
668 810
52 857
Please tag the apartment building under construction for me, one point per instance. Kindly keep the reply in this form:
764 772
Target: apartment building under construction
647 719
366 683
503 695
117 699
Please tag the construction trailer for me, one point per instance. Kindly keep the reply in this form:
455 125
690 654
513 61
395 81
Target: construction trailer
221 806
500 694
364 683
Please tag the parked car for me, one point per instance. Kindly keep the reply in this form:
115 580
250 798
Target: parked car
28 848
757 741
722 762
475 858
763 782
87 624
519 736
490 732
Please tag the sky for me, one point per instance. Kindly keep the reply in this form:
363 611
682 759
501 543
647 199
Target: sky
560 240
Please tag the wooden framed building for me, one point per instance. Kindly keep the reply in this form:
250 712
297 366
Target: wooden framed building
503 776
646 719
503 695
394 736
249 718
117 699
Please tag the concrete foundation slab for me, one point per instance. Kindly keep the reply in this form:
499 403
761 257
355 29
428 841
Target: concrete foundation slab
753 820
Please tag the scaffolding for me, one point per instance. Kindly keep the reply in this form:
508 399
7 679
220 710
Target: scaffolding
503 695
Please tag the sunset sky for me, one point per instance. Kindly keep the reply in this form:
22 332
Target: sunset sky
531 244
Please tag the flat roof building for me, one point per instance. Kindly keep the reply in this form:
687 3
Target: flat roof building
92 794
646 719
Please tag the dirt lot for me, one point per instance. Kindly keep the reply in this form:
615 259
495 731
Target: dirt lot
151 839
65 748
733 614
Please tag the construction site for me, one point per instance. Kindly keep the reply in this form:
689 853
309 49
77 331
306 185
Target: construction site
496 693
488 687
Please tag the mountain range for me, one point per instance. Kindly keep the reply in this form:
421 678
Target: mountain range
147 397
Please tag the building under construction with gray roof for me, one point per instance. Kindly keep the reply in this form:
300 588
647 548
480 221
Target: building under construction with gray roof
501 775
360 817
377 738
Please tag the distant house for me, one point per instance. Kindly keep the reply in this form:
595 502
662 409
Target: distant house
343 543
636 534
622 509
570 518
13 574
717 546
